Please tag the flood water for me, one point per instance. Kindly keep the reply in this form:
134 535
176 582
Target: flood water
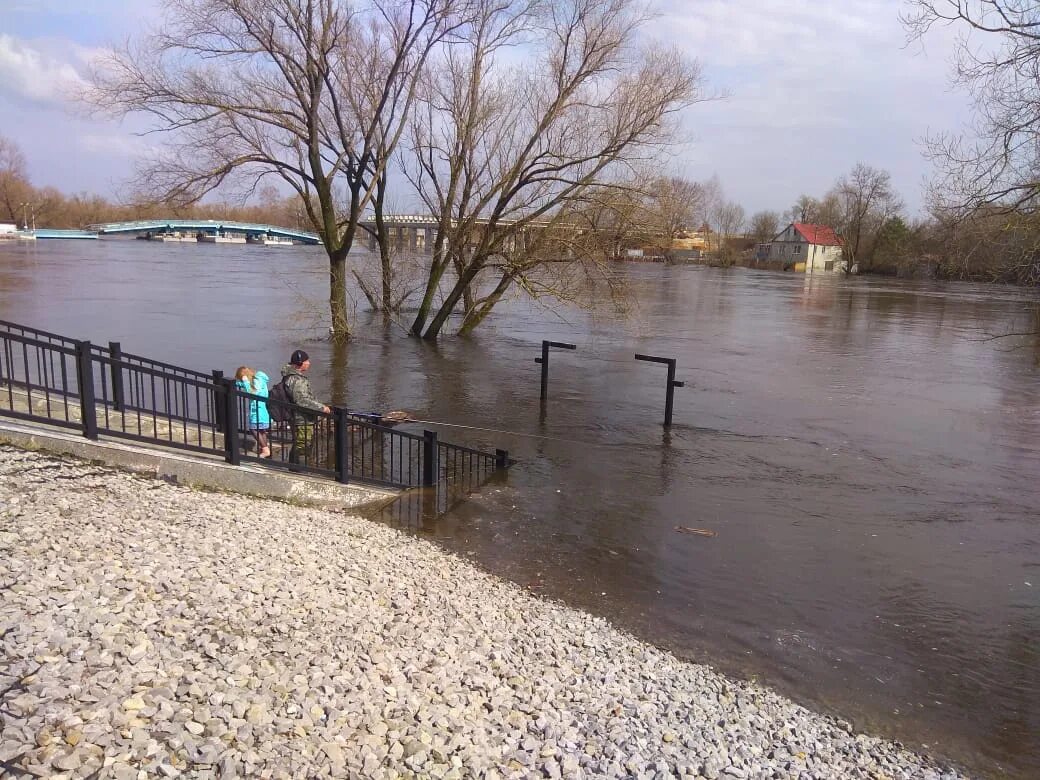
866 456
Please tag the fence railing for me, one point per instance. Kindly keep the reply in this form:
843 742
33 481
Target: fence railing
75 384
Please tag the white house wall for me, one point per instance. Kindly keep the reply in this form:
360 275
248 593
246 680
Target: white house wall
820 256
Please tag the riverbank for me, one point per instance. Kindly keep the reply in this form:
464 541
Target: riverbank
152 630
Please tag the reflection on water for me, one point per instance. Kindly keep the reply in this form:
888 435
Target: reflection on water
867 457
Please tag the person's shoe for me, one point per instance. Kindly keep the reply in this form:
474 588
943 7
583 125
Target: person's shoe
265 452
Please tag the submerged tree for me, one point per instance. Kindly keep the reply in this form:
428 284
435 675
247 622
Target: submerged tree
512 156
315 93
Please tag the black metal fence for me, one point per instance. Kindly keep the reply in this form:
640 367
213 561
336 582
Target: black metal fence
99 390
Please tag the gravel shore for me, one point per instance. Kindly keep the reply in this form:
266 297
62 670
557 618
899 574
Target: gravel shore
150 630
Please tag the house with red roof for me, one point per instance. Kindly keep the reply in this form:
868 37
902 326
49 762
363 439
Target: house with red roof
804 246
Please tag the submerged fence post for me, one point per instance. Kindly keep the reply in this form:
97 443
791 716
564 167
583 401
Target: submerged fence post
232 451
218 406
671 385
85 379
341 423
430 466
544 360
115 351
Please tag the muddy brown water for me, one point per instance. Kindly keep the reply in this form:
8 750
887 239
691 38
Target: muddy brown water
866 456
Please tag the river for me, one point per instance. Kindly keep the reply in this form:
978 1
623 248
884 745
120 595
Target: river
866 454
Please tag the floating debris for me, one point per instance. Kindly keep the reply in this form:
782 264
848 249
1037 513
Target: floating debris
697 531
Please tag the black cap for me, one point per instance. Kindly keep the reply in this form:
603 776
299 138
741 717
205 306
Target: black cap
299 357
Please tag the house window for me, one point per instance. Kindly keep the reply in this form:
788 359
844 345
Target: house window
828 266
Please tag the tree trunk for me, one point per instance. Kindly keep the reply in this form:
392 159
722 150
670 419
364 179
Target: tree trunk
467 293
338 295
437 267
476 316
385 250
388 281
467 276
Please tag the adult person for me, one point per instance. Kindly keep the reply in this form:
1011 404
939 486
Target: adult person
298 388
259 420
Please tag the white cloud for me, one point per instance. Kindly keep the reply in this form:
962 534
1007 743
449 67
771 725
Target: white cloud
31 73
813 88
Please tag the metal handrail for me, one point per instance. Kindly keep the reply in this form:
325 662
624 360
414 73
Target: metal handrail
135 397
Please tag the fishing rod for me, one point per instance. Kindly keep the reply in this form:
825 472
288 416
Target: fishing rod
394 418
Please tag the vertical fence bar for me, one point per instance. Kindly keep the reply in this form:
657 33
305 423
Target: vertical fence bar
115 351
342 427
501 459
232 452
430 465
218 407
671 393
85 376
544 360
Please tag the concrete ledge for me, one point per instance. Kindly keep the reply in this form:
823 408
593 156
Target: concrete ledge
198 470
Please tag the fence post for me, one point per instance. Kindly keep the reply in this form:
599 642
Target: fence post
85 377
341 423
670 386
544 360
501 459
115 351
430 467
671 393
218 407
232 450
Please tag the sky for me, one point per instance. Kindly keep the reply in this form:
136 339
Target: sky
811 87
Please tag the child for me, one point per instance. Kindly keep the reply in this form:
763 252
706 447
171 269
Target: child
259 422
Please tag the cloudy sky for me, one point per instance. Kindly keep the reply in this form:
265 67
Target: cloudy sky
813 86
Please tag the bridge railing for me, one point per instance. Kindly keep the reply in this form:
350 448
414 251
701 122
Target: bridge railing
46 377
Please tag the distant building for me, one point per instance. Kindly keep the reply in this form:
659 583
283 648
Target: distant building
806 247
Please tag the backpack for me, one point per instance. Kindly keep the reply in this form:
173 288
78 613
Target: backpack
278 402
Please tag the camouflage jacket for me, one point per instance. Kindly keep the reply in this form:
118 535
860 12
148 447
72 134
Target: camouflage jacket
298 387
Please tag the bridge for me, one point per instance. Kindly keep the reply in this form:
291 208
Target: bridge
407 231
211 227
415 232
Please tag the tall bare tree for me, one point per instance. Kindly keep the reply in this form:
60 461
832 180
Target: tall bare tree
510 156
15 189
867 201
673 208
997 160
314 92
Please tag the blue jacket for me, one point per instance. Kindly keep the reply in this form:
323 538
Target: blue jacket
259 417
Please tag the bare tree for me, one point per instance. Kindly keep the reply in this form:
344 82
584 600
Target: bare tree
867 201
997 161
671 210
15 189
764 225
803 210
727 219
511 157
825 211
315 93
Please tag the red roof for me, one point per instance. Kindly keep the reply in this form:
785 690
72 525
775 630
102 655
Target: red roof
821 235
